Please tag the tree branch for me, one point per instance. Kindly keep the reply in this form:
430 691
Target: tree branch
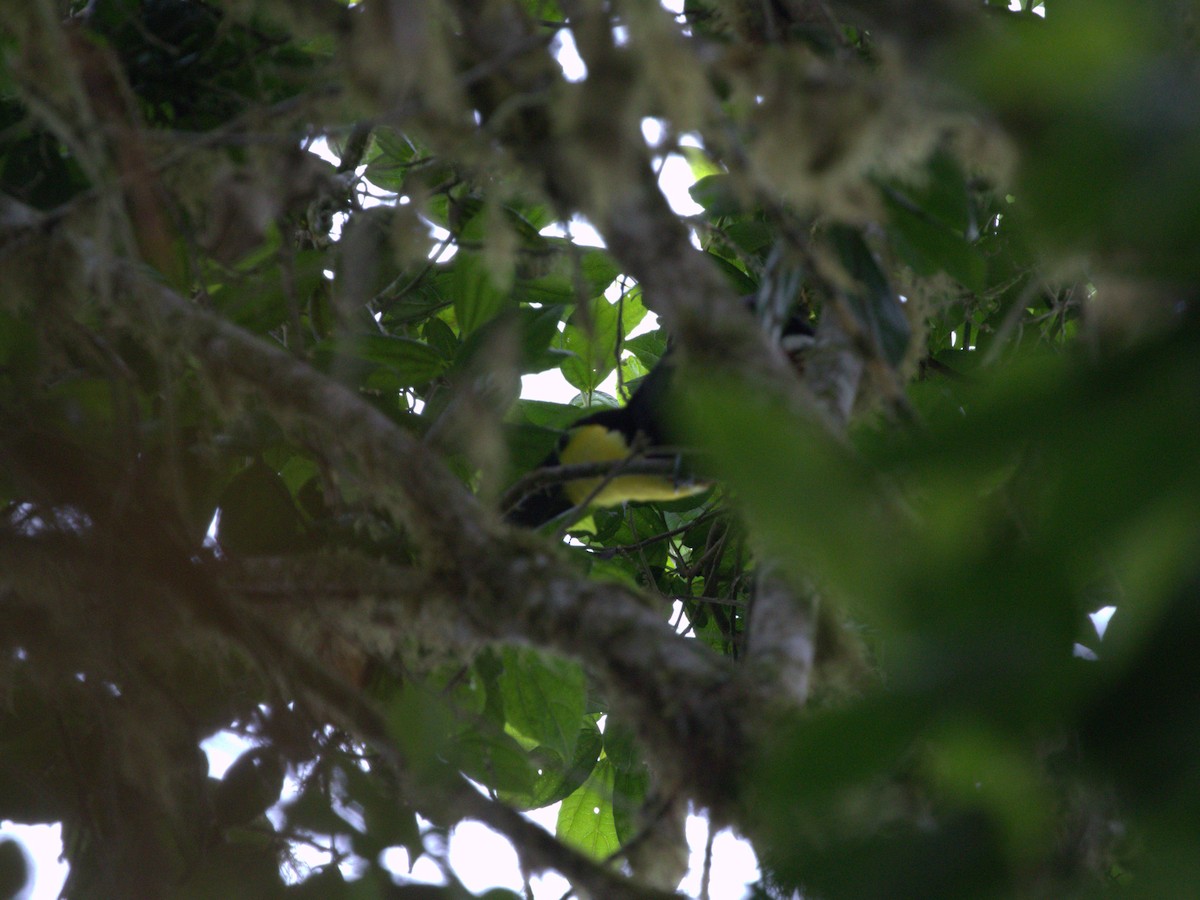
497 583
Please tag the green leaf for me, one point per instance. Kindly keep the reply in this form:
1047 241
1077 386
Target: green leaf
629 796
944 195
631 308
529 446
929 246
599 270
544 414
428 293
649 348
875 303
716 193
390 159
440 337
422 727
412 362
591 336
260 300
387 820
477 299
620 747
539 329
585 819
557 779
812 503
990 772
258 515
632 371
569 281
699 162
750 235
1106 164
737 279
544 698
493 759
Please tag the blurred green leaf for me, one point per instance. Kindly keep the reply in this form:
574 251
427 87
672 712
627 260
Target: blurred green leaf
585 819
556 778
930 246
629 796
259 300
790 477
258 515
960 858
1106 163
388 821
751 235
390 157
574 277
717 195
539 329
477 299
591 335
441 337
737 279
544 698
875 303
494 759
408 361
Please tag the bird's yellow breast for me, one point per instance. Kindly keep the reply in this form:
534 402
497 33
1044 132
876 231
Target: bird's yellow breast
595 443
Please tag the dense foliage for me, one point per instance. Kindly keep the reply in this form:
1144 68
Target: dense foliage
855 648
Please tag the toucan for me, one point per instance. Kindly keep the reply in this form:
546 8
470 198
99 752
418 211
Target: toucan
612 435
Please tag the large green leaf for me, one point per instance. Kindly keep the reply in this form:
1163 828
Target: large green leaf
649 348
539 329
477 299
585 819
556 778
389 157
591 336
544 698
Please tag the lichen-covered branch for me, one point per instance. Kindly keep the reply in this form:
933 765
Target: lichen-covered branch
498 583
